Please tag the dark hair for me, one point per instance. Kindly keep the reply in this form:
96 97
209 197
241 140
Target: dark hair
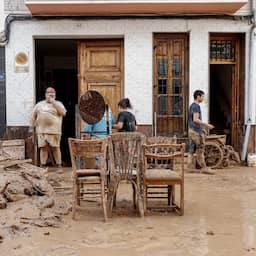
124 103
198 93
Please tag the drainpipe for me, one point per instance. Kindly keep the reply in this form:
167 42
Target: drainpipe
251 84
4 35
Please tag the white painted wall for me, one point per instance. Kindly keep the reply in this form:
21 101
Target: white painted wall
245 10
137 36
2 16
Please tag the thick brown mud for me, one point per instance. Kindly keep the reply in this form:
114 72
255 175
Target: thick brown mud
219 220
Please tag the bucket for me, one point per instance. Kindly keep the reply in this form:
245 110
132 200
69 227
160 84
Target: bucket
251 160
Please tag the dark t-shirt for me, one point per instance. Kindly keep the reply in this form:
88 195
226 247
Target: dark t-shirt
194 108
128 120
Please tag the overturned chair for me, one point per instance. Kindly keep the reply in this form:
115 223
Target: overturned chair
88 159
170 175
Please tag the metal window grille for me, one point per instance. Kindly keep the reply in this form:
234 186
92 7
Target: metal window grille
176 67
222 50
162 67
169 104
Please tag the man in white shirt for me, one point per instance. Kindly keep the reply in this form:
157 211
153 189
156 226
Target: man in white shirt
47 118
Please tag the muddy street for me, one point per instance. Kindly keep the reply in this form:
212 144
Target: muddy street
220 219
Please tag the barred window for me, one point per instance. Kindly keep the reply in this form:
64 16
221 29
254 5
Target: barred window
223 50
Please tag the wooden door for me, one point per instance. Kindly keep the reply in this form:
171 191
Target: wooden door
234 108
228 49
170 90
101 69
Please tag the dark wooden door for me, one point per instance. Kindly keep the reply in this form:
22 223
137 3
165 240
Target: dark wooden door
170 89
228 49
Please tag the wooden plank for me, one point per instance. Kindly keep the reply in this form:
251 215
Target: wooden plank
10 143
14 162
14 148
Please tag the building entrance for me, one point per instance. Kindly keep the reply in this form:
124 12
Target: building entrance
56 65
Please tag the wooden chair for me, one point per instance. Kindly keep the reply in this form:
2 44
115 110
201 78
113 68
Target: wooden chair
159 192
88 158
162 176
126 165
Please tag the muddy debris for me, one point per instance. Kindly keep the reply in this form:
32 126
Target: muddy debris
22 180
26 198
210 233
3 202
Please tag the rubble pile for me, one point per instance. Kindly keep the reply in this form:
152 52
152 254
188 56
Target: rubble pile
27 198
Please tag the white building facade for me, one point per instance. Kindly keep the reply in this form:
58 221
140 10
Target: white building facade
159 59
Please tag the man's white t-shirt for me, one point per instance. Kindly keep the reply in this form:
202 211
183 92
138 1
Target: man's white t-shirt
48 120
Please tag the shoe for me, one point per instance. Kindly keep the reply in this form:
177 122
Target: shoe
43 166
59 165
207 171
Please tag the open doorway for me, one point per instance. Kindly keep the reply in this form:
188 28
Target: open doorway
56 65
227 93
221 98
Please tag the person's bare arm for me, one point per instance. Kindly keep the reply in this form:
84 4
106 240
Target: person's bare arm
118 126
33 117
200 122
60 109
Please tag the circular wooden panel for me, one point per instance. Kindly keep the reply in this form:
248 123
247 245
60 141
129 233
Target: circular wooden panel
91 107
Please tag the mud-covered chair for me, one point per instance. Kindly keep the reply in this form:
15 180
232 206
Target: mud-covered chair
168 176
160 192
88 158
125 164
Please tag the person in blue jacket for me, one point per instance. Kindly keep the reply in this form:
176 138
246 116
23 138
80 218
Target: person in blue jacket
102 128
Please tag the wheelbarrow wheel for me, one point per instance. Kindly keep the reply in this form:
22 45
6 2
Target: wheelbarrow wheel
213 154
